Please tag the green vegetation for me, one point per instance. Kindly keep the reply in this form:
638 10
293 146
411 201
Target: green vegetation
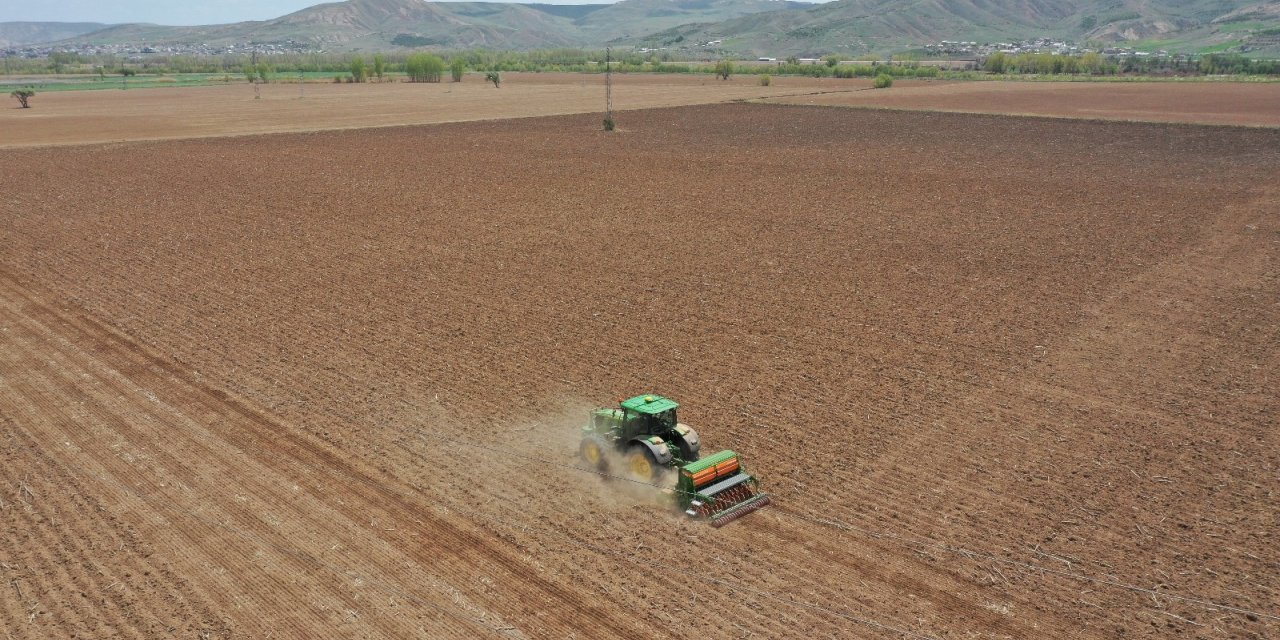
424 67
1235 64
608 124
379 66
457 67
883 81
359 70
724 69
23 96
495 78
408 40
766 80
265 72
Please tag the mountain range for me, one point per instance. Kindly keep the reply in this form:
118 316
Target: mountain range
712 27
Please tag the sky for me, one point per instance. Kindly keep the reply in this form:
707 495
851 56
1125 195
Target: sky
170 12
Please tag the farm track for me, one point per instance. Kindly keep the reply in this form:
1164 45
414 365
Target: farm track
938 375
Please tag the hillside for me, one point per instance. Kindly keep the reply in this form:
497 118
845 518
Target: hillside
17 34
385 24
371 24
736 27
637 18
862 26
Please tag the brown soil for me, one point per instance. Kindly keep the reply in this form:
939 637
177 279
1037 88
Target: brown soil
1255 104
245 382
76 117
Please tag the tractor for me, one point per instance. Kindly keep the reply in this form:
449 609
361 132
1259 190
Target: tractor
650 440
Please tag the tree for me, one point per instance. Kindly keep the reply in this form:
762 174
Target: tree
264 72
250 73
379 66
359 70
883 81
996 62
724 69
424 67
457 67
23 95
494 77
1092 62
832 60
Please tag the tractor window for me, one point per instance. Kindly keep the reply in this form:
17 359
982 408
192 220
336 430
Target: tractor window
666 420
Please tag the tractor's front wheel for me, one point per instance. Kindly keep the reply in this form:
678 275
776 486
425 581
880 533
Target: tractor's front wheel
593 453
641 465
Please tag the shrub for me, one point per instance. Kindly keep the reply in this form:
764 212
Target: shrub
23 95
724 69
359 70
457 67
608 124
883 81
765 80
494 77
379 66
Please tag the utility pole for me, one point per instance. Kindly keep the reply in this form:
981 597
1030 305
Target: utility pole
608 89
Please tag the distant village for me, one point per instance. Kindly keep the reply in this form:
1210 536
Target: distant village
959 49
136 51
945 48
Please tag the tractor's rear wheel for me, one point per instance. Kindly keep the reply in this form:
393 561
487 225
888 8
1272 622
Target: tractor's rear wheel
641 465
593 453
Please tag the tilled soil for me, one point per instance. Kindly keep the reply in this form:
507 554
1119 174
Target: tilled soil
1003 377
119 115
1235 103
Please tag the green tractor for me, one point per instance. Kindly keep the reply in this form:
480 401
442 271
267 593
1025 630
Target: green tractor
645 432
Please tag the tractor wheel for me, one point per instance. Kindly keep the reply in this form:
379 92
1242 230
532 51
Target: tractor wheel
592 451
640 464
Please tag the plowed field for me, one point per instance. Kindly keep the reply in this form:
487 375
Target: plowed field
1005 378
1252 104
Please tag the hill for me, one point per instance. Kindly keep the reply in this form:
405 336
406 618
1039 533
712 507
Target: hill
385 24
17 34
863 26
721 27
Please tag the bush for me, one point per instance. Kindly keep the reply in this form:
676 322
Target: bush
359 70
765 80
495 78
23 95
883 81
424 67
724 69
457 68
608 124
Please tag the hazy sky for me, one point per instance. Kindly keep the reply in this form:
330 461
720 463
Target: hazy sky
172 12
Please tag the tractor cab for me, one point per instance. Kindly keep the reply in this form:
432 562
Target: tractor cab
649 416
